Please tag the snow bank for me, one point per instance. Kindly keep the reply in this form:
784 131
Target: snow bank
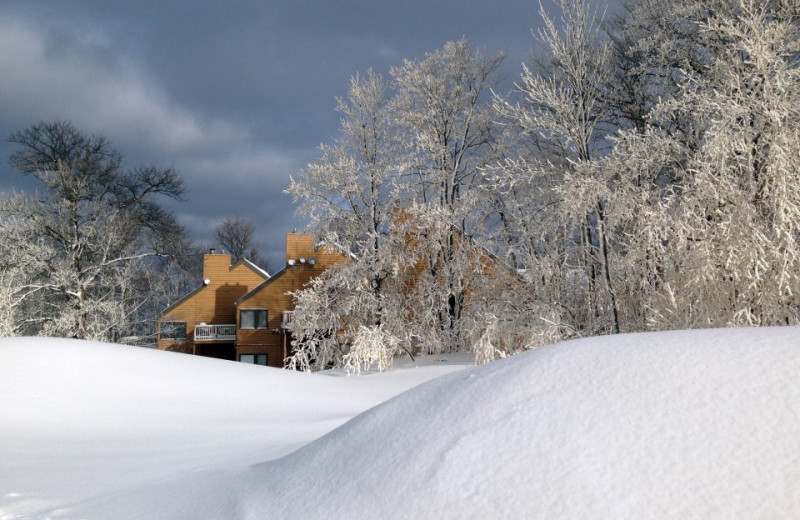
700 424
81 420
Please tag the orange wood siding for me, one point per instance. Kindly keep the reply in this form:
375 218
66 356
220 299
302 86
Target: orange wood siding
213 304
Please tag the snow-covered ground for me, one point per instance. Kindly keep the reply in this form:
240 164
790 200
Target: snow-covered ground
80 420
700 424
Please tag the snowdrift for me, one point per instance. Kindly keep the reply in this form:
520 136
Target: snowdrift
702 424
80 419
695 424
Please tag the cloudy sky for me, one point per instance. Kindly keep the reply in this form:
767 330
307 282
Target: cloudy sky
237 95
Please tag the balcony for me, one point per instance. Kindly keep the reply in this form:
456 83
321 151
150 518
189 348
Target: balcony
215 332
288 320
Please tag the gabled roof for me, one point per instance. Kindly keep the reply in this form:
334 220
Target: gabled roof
252 266
260 286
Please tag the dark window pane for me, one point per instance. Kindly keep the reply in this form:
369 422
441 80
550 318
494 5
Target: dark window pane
173 330
247 320
261 319
256 359
253 319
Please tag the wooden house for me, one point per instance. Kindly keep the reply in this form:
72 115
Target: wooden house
240 312
204 321
266 313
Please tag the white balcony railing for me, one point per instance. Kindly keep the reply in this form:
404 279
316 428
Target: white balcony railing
288 319
215 332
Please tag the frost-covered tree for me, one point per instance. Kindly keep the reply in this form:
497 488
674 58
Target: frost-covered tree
20 309
335 321
491 302
349 194
714 172
395 190
443 110
644 178
737 209
448 128
558 113
83 236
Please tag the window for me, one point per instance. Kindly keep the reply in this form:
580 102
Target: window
173 330
255 359
253 319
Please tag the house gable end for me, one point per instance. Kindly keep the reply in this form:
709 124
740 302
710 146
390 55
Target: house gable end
261 286
253 267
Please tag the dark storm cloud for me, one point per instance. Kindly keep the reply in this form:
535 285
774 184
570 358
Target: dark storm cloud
236 95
